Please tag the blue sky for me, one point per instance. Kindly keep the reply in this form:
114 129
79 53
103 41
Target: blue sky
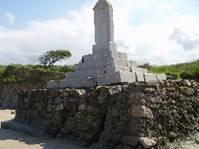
26 10
154 31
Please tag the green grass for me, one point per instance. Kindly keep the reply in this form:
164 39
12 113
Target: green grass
184 70
32 73
37 73
2 69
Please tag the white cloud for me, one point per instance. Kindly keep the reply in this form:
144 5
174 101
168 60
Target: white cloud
26 45
143 29
10 17
187 41
151 42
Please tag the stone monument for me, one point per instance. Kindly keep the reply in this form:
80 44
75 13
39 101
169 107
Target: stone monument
105 65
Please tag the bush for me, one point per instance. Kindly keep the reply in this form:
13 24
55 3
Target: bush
173 76
33 73
185 75
2 69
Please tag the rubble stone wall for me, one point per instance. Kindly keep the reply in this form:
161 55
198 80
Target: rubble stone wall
125 116
8 92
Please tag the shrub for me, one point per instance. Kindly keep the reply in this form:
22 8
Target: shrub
33 73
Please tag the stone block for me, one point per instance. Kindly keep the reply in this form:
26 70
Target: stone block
147 142
149 90
133 141
161 77
109 78
150 77
139 77
127 77
141 112
187 91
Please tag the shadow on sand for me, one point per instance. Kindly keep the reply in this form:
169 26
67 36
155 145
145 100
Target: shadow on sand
45 143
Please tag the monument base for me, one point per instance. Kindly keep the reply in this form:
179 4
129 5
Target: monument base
106 79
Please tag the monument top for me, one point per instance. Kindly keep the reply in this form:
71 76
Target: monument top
102 4
104 27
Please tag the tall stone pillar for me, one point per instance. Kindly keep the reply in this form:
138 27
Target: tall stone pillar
104 27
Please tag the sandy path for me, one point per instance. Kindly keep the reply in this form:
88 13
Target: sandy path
15 140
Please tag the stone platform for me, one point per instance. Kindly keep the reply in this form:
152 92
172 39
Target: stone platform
106 80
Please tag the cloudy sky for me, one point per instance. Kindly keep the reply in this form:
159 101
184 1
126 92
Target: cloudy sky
154 31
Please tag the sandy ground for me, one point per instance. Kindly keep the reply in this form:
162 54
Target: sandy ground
15 140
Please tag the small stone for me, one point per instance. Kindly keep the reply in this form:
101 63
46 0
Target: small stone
147 142
172 136
187 82
149 90
137 99
187 91
101 99
141 111
60 107
196 139
82 107
13 112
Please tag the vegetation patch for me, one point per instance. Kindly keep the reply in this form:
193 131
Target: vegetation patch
178 71
32 73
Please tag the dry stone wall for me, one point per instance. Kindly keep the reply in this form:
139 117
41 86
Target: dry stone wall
8 92
137 115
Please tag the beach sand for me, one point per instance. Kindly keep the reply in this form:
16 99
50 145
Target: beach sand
15 140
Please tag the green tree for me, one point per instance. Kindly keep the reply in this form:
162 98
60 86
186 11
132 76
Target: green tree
51 57
146 65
